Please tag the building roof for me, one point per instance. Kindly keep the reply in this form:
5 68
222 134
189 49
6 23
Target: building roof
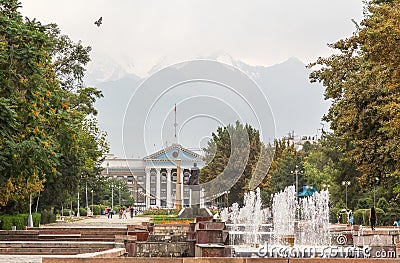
174 152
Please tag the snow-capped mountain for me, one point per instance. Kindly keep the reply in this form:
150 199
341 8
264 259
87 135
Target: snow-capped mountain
297 104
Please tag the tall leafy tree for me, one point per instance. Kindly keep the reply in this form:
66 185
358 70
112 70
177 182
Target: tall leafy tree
279 175
30 87
363 82
49 138
234 156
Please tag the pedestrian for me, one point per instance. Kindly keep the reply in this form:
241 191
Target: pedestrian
373 218
124 213
131 210
351 218
110 212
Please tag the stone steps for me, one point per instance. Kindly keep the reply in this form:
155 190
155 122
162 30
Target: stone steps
49 248
48 251
55 244
63 241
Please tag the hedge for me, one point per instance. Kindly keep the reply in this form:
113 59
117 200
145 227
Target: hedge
361 217
96 209
20 221
82 211
47 218
66 212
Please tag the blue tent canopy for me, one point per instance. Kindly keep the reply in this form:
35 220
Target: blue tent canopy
307 191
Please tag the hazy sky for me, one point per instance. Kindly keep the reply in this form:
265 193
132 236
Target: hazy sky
141 35
138 34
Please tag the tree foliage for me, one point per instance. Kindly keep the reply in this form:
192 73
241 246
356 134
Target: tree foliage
237 161
363 83
48 135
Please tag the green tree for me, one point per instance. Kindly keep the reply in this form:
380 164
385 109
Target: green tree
362 81
49 137
120 192
30 86
237 161
279 175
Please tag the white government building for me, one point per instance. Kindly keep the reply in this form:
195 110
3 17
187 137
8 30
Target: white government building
152 180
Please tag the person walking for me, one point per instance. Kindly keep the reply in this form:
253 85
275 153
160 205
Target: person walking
351 218
373 218
110 212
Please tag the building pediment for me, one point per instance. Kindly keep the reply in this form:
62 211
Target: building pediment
174 152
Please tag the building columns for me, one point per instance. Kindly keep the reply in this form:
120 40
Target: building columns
158 187
169 190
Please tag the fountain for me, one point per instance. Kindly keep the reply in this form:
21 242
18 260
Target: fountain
284 211
313 220
246 225
295 223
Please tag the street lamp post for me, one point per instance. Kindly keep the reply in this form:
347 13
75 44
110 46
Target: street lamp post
87 204
297 172
112 196
119 195
92 198
346 184
375 182
78 213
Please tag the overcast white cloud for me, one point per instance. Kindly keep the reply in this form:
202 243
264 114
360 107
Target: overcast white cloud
143 36
139 34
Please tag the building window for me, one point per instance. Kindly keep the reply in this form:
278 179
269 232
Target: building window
163 177
186 176
130 179
140 179
152 201
163 203
174 192
186 191
186 202
174 177
152 179
153 190
163 191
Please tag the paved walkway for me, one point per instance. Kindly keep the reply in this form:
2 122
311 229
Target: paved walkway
100 221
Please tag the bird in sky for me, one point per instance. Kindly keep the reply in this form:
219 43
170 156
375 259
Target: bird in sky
99 22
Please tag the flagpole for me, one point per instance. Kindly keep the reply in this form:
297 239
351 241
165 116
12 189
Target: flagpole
175 124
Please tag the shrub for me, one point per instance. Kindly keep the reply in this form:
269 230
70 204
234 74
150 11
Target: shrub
383 204
333 214
364 203
36 219
6 222
66 212
20 221
361 217
82 211
96 209
47 218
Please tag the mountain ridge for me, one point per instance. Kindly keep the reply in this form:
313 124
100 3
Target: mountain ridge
297 104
